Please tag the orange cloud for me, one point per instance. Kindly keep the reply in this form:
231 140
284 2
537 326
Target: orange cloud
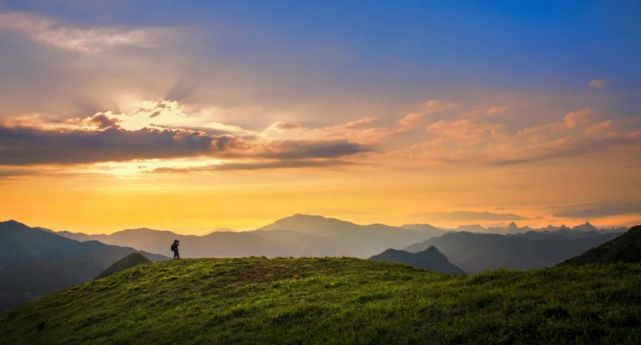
482 142
576 118
436 106
410 120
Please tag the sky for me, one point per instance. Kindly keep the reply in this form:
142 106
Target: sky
204 115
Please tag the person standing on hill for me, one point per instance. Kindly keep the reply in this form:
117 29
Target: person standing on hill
174 248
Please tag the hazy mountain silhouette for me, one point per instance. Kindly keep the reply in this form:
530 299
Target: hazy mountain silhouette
129 261
298 235
625 248
513 228
217 244
475 252
348 238
34 262
427 228
429 259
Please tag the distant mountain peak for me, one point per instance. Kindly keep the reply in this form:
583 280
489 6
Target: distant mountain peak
12 222
311 222
305 216
585 227
430 259
308 217
470 227
432 249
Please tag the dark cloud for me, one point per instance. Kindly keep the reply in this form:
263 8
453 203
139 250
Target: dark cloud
103 121
312 149
288 125
471 216
4 173
27 146
599 210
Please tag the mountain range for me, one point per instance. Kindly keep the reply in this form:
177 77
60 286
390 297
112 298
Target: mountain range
298 235
34 262
476 252
513 228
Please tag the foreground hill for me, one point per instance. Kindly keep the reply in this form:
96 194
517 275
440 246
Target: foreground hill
34 262
476 252
625 248
298 235
129 261
429 259
333 300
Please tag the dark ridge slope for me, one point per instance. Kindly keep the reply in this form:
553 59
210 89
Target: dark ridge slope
429 259
129 261
625 248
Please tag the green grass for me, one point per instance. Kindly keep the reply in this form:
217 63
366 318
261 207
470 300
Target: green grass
335 300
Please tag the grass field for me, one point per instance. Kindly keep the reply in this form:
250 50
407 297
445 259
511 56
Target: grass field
335 300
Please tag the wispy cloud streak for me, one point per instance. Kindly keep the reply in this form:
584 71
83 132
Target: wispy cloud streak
56 33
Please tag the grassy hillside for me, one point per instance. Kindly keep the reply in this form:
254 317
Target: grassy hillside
129 261
334 300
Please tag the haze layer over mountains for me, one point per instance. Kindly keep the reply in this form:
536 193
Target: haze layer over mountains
298 235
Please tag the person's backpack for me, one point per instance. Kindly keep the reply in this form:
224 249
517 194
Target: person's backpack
173 247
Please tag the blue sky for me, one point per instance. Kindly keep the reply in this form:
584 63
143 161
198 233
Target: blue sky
552 45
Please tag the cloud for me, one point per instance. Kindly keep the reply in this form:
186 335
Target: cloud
108 137
410 120
103 121
168 130
436 106
360 131
55 33
311 149
5 173
287 125
26 146
365 122
576 118
597 210
483 142
425 110
497 110
597 83
256 165
467 216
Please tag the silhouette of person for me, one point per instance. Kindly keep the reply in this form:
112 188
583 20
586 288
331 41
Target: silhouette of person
174 248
